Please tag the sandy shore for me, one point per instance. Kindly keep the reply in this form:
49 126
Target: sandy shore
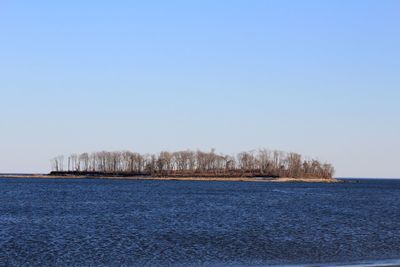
243 179
230 179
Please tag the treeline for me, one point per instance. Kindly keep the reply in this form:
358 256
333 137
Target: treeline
263 163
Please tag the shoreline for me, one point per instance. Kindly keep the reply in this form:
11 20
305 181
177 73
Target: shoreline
147 178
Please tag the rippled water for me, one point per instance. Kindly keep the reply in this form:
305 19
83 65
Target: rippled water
161 223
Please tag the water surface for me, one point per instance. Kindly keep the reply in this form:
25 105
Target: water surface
94 222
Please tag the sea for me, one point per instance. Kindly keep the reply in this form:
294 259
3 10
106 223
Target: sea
101 222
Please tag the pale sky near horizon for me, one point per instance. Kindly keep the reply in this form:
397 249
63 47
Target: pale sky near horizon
321 78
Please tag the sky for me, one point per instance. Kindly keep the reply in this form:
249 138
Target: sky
321 78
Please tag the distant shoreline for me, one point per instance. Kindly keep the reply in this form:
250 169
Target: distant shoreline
146 178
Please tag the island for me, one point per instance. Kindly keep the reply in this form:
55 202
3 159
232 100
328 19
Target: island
257 165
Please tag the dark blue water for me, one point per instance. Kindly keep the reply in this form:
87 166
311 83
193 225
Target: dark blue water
162 223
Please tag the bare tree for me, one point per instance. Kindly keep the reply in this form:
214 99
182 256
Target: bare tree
190 163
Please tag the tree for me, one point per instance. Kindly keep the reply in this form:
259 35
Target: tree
189 163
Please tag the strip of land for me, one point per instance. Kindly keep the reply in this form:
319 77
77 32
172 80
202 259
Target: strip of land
225 179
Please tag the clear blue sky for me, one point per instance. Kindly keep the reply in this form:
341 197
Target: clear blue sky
321 78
